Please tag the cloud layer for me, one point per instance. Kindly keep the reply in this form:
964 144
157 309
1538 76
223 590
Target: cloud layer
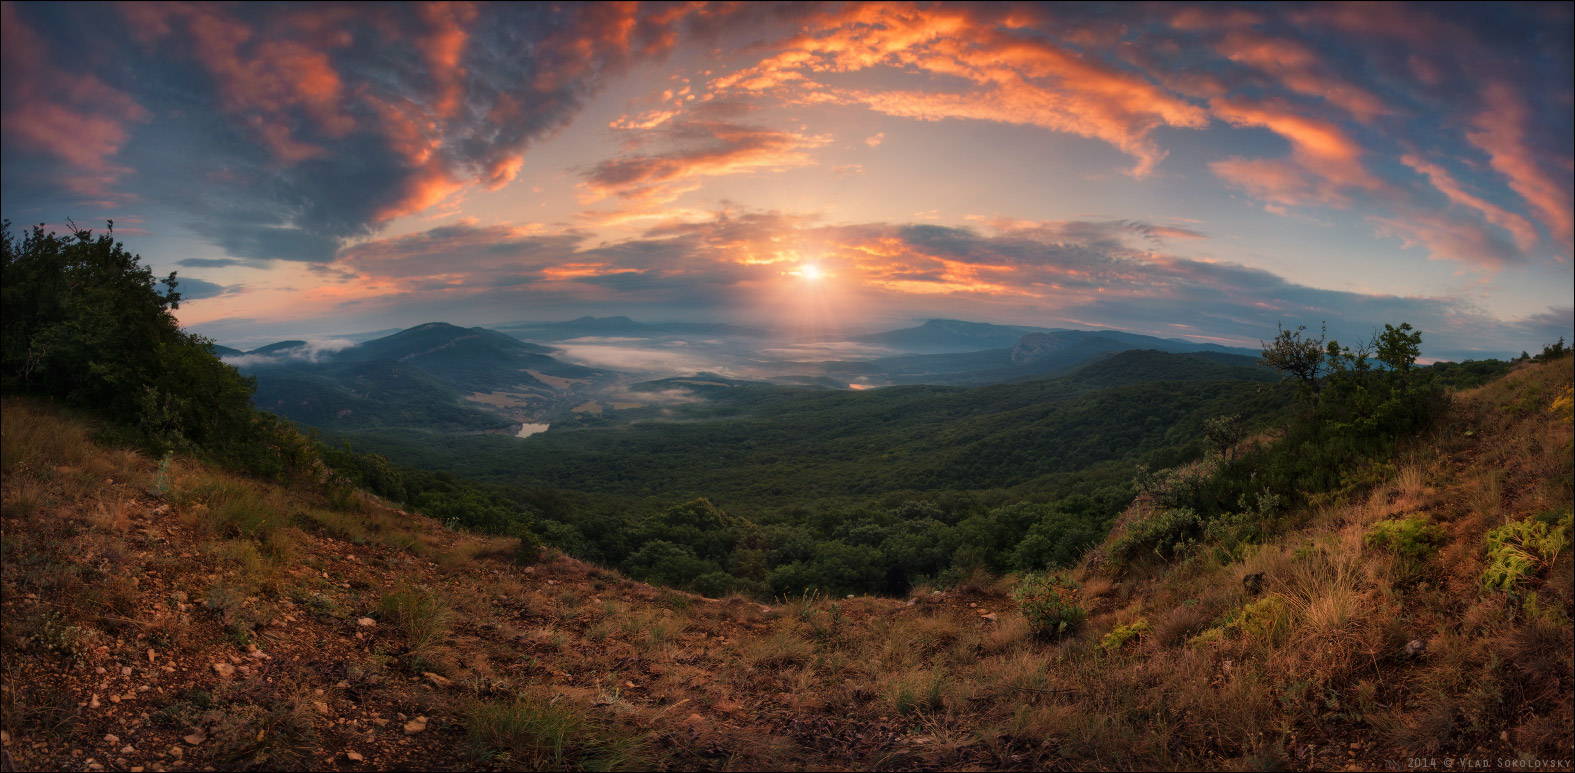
310 143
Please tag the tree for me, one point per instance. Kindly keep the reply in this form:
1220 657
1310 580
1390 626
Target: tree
1298 356
1224 433
1398 347
85 322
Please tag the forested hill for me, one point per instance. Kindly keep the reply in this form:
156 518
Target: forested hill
766 446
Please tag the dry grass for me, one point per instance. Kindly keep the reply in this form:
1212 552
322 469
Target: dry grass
551 667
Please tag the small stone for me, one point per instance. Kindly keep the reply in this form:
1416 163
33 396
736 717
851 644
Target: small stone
100 671
177 752
322 708
224 669
366 622
127 749
437 680
195 739
111 739
93 702
416 725
125 670
354 757
152 656
990 617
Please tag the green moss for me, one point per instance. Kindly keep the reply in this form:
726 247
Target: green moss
1415 537
1267 619
1121 634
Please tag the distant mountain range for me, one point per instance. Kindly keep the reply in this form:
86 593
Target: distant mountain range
436 375
1038 353
951 335
622 327
444 377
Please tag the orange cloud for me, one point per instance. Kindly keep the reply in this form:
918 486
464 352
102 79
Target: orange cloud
1524 233
1299 70
1319 147
76 118
1501 133
709 149
1277 181
1013 78
1447 238
263 78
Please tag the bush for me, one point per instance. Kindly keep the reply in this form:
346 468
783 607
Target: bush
1415 538
1519 550
529 549
1167 532
1049 603
1121 634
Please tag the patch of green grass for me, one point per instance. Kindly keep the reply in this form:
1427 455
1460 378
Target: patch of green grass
1121 634
419 616
531 734
1415 537
918 695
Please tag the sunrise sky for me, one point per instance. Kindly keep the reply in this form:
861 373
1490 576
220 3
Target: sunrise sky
1193 171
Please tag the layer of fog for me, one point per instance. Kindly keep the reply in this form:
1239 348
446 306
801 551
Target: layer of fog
311 351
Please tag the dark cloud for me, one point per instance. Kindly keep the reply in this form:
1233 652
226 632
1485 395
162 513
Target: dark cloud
196 289
281 131
210 262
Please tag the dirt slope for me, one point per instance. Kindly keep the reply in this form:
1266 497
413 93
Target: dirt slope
187 619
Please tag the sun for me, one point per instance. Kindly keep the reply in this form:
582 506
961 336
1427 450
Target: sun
810 271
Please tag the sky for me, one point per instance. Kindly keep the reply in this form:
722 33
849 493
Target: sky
1196 171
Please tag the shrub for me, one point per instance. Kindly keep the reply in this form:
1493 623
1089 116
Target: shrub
1267 619
1167 532
1414 538
529 549
275 735
1049 603
1121 634
1519 550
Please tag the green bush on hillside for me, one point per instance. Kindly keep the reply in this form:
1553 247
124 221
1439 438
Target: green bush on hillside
87 323
1519 550
1049 602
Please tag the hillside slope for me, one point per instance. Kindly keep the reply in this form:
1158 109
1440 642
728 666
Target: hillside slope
184 618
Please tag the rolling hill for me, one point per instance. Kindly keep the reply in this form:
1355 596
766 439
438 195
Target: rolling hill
755 445
434 376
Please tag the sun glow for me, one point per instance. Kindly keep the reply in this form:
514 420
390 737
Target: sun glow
810 271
